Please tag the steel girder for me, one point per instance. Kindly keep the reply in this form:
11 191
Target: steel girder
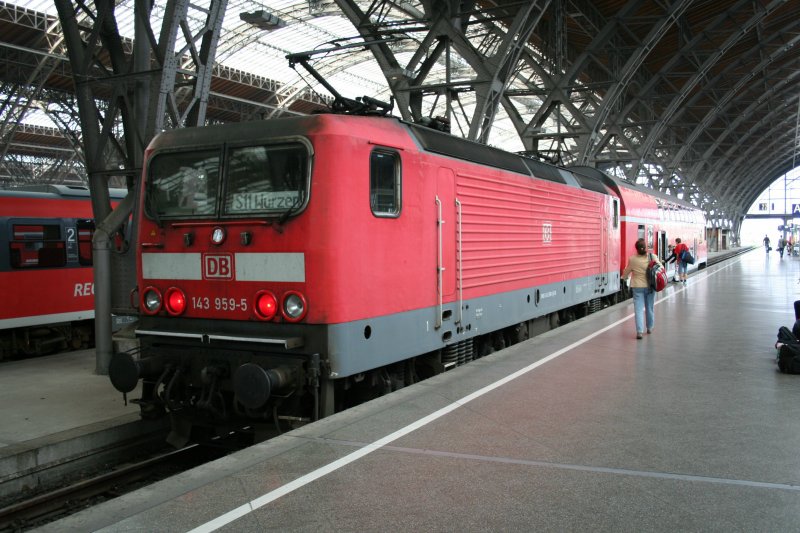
675 108
13 110
583 123
645 121
747 140
586 86
124 98
492 57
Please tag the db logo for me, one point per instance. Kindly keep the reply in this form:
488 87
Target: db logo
547 233
217 266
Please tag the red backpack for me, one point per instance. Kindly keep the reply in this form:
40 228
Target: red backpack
656 275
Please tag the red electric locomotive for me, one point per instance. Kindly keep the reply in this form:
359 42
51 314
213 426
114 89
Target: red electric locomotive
290 267
46 269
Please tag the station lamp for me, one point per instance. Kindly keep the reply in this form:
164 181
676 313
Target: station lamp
263 20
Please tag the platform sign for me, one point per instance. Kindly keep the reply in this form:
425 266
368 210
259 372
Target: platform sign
795 210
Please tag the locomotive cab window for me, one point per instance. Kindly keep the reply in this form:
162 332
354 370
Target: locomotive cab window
37 245
266 179
183 184
385 183
251 180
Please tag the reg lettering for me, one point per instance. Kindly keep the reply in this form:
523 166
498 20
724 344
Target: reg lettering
84 289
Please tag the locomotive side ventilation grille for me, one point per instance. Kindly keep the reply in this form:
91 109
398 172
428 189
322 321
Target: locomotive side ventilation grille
513 229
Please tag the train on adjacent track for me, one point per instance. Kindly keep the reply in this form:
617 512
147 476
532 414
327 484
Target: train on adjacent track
46 269
290 268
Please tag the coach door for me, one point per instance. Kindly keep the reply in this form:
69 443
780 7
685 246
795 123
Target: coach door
604 269
662 246
610 230
447 233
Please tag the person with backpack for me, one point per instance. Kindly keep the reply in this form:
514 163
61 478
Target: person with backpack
682 265
643 296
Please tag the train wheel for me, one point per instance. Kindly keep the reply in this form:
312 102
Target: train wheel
566 316
498 340
75 343
483 346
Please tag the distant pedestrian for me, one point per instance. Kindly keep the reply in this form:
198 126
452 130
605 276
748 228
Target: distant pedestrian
766 243
643 296
781 246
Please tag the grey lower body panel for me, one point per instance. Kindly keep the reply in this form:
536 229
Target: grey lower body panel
363 345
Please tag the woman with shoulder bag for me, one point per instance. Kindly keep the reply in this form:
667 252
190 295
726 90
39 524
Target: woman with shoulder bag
643 296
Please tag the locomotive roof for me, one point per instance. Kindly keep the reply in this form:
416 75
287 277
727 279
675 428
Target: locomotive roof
235 132
450 145
616 184
63 192
427 138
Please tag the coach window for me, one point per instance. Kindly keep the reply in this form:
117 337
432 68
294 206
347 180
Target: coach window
615 207
385 183
85 233
37 245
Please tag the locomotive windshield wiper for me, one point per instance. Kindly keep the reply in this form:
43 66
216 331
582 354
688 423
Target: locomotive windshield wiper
151 202
286 214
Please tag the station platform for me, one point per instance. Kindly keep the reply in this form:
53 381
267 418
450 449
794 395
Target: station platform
46 395
59 416
581 428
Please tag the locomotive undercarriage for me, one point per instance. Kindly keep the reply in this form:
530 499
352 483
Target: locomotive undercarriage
46 339
224 381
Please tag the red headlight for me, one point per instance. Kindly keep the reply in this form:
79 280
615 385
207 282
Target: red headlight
266 305
151 301
294 306
175 301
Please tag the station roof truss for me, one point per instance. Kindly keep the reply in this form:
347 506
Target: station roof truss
698 99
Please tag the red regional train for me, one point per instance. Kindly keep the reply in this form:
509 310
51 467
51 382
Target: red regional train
46 269
290 268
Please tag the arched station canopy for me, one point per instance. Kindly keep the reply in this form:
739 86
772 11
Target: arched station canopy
698 99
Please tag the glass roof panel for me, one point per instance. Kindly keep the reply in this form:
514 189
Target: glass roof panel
300 27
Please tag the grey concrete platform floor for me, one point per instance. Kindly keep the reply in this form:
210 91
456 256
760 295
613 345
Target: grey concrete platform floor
581 429
59 417
42 396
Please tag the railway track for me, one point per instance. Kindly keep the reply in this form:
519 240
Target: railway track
80 493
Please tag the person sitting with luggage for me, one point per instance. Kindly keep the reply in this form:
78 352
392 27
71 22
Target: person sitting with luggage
788 346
